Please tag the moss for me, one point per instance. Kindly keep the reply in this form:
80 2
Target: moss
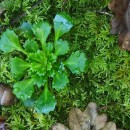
106 82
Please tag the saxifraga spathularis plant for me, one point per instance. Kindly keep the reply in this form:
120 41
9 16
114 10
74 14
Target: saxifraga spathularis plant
43 61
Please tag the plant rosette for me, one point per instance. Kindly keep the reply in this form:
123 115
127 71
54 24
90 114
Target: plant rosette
42 61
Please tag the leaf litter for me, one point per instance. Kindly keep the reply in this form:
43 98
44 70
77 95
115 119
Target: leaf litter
89 119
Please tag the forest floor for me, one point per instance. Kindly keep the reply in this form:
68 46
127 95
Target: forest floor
107 81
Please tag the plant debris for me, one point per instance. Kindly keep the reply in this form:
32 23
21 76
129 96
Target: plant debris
2 123
87 120
7 97
120 23
59 126
79 120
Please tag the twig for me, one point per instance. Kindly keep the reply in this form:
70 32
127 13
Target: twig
24 14
104 12
102 108
21 16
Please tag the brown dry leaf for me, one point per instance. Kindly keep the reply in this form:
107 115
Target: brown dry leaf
2 123
75 116
119 8
59 126
110 126
120 23
100 122
78 120
87 120
114 26
91 110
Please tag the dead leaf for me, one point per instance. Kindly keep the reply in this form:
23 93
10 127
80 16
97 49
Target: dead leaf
100 122
120 23
59 126
110 126
91 110
2 123
114 26
87 120
78 120
124 41
75 116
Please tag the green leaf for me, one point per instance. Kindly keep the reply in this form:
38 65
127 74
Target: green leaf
41 30
61 47
39 68
9 42
49 66
60 80
18 67
26 28
39 80
24 89
29 102
62 24
77 62
39 57
59 66
31 46
51 73
46 102
51 57
49 46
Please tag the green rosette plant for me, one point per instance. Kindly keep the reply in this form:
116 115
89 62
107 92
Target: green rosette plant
43 61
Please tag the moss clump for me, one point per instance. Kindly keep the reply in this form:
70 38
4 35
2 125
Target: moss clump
107 81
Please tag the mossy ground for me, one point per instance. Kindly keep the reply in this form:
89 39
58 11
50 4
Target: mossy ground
107 81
